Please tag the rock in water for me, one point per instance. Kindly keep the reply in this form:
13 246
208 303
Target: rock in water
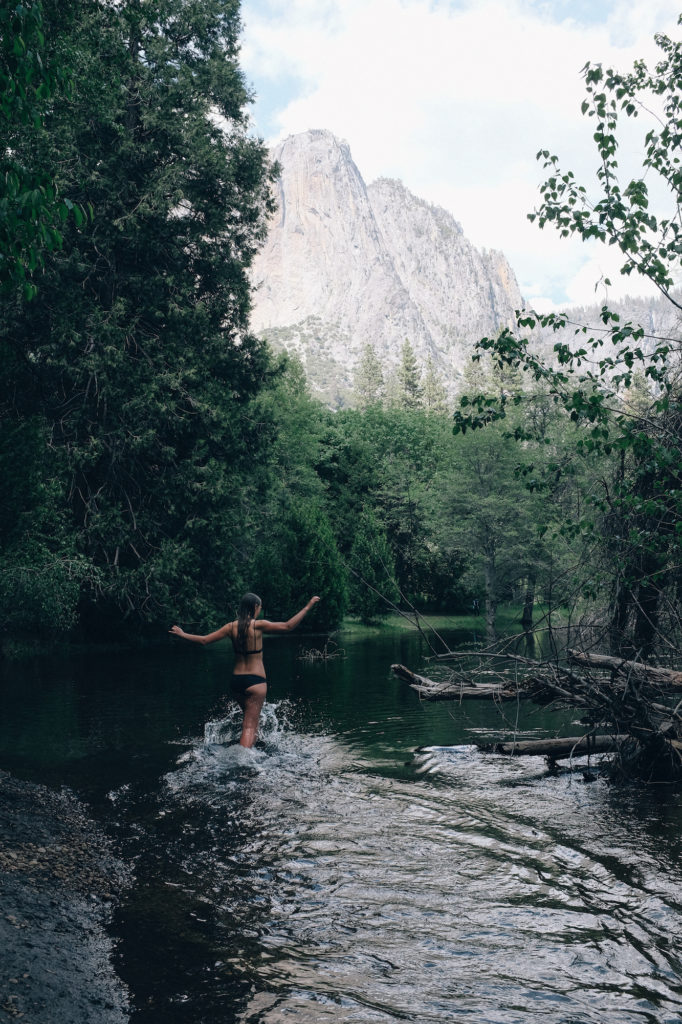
345 264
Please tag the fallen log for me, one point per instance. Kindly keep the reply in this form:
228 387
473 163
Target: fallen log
626 698
663 676
430 689
558 749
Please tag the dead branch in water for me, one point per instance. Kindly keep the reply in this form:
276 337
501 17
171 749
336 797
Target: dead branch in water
560 748
430 689
663 676
627 706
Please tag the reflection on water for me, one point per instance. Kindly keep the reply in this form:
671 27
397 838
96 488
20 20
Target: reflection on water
476 887
340 871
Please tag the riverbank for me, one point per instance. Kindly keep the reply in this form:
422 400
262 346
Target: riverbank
59 881
508 623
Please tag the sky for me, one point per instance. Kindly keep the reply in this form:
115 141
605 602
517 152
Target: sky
456 99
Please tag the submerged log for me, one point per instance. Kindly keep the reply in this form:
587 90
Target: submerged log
662 676
430 689
558 749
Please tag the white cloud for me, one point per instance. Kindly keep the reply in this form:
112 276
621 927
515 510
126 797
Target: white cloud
454 99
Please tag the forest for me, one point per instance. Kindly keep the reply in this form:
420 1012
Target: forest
158 459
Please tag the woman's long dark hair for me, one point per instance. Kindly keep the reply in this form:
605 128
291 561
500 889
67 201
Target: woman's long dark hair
247 611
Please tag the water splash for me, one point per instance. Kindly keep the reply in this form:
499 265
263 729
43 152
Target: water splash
274 721
214 765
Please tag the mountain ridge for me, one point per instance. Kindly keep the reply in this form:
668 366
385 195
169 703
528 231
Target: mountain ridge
346 264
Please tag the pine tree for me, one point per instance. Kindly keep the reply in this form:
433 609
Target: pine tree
409 377
368 381
434 393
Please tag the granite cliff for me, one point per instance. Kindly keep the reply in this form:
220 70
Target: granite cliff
345 264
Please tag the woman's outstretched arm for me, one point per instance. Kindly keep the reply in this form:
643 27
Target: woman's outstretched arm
208 638
292 623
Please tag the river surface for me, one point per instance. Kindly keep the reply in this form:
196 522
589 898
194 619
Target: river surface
365 862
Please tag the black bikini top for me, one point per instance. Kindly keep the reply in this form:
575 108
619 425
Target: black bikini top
245 652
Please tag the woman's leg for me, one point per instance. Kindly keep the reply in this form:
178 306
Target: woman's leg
251 703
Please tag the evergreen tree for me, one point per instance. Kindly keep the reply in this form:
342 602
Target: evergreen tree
368 380
408 377
135 354
291 423
372 572
394 391
435 397
487 516
297 556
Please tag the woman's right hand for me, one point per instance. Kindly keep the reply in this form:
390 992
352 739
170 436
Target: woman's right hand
312 601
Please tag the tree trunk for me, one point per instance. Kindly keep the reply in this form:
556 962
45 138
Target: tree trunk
529 601
663 676
490 596
619 618
646 618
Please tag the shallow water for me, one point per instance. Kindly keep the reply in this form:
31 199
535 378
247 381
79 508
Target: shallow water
340 872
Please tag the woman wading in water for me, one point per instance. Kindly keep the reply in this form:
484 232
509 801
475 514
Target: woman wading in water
249 684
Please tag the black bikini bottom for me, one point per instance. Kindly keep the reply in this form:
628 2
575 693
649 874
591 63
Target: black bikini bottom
241 683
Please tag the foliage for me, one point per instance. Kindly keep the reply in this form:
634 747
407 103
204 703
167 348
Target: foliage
41 573
289 549
433 392
384 463
31 212
410 392
368 381
297 558
635 448
157 457
372 572
135 353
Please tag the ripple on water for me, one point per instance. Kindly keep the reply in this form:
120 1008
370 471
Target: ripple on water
478 887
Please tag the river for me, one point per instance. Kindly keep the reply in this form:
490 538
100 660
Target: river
365 862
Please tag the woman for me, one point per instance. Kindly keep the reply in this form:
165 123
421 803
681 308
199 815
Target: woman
249 685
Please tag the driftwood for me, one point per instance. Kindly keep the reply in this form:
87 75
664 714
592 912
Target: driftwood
430 689
664 677
620 700
558 749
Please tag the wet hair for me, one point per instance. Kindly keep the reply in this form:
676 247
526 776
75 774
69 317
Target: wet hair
245 614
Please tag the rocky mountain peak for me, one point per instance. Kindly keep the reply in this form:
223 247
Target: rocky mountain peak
345 264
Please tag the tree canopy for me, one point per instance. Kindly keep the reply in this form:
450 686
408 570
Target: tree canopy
634 509
134 362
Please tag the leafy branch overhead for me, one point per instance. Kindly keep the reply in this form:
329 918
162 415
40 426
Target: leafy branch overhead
604 361
621 216
616 382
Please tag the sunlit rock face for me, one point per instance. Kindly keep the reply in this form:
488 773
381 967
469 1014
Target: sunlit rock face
345 264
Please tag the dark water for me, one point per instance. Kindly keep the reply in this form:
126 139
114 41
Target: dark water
338 873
